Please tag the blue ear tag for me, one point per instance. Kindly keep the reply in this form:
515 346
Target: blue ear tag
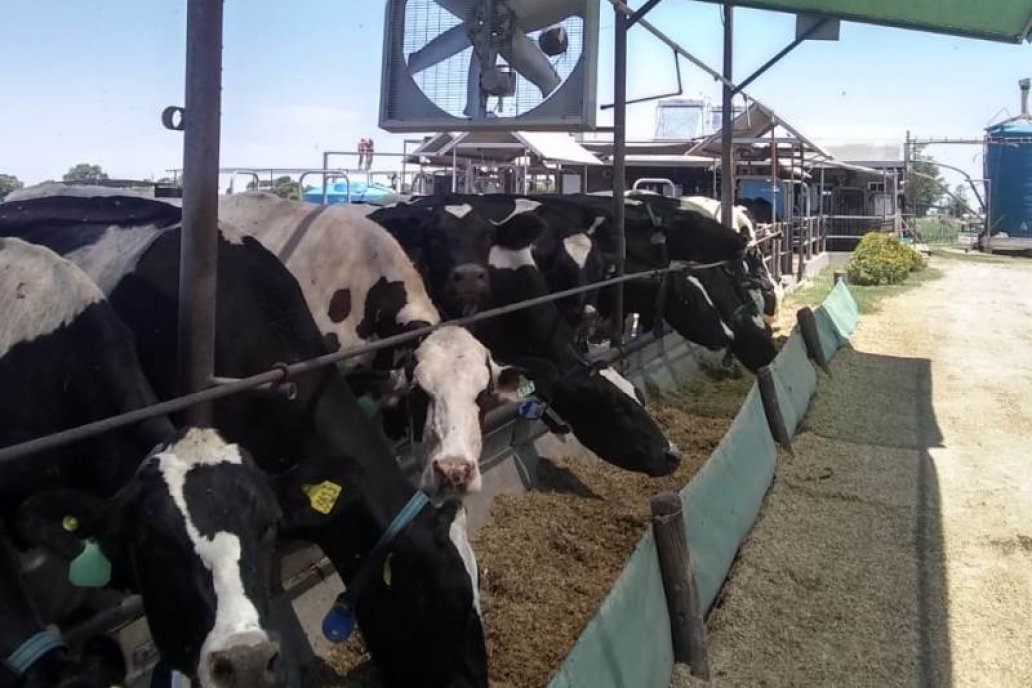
91 569
339 622
530 409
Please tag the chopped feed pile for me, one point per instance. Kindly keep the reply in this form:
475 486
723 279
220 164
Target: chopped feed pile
548 558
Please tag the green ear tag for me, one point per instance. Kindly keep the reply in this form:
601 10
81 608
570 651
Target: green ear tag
369 406
91 569
525 388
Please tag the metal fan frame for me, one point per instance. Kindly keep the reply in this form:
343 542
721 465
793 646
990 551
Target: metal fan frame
430 117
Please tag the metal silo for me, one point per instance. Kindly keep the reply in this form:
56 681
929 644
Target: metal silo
1008 167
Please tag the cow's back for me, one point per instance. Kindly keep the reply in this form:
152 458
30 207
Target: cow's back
356 279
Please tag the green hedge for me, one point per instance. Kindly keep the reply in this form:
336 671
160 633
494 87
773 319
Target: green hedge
882 259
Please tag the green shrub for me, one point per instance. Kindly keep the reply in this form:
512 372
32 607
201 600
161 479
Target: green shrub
881 259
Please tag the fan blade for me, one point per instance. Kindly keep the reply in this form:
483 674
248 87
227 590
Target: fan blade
460 8
534 15
474 97
531 63
449 43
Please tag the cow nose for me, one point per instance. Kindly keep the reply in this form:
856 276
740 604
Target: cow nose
468 278
673 457
455 474
244 666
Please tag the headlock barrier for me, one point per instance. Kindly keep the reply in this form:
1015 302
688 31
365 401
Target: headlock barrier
629 640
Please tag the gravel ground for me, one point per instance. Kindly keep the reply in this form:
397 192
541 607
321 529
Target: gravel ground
896 547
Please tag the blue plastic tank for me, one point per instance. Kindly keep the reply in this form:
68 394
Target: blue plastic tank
1008 166
337 192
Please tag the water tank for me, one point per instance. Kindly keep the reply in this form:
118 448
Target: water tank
1008 166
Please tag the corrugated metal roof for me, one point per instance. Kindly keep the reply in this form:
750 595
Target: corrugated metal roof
865 151
757 120
1008 21
557 146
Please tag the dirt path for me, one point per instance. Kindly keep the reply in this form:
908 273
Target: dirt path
896 547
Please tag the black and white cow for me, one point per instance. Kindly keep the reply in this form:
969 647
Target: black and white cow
603 411
189 524
714 306
769 290
361 286
338 484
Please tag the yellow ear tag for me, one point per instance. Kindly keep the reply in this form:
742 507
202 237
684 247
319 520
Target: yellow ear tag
70 523
323 496
387 577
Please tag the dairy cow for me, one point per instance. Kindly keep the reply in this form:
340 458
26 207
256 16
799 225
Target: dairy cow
149 502
361 286
606 419
337 481
716 306
769 292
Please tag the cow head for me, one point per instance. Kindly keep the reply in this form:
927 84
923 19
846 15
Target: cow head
421 617
766 291
606 413
449 246
741 303
194 532
452 378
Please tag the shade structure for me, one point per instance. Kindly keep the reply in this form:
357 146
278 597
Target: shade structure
1008 21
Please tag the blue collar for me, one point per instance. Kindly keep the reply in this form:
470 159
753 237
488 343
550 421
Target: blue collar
340 620
22 659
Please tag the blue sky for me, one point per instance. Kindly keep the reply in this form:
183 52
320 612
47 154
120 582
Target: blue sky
86 80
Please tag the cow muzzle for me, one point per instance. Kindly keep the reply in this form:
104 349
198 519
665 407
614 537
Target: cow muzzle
456 475
468 284
244 666
671 460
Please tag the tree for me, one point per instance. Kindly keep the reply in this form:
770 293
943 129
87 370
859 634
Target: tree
9 183
927 184
84 172
958 203
284 187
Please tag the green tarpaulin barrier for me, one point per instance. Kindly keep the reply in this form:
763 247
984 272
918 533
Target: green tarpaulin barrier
722 501
842 308
795 380
627 644
830 339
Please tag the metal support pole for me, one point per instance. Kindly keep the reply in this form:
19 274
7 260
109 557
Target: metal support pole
619 168
199 246
727 153
907 182
454 170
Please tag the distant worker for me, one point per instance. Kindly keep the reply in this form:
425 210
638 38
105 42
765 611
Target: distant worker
362 148
369 154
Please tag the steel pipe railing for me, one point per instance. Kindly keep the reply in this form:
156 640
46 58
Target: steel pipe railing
282 373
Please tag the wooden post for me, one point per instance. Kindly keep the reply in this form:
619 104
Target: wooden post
687 629
772 408
808 328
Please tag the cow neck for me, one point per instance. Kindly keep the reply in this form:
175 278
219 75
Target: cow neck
360 459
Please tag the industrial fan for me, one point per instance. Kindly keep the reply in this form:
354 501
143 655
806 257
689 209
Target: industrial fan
502 64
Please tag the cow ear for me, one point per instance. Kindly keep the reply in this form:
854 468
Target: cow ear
60 520
519 232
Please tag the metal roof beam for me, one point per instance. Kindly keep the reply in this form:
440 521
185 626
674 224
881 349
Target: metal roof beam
642 11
